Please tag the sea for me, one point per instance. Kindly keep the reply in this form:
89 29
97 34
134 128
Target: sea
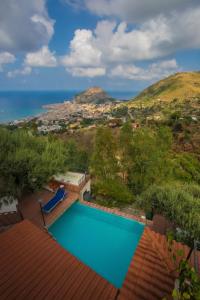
17 105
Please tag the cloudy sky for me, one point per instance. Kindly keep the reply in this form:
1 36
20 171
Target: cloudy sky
117 44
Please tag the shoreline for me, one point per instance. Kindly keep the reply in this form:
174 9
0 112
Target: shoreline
65 110
44 109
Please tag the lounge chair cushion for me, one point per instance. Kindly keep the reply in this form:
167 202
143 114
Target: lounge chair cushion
59 196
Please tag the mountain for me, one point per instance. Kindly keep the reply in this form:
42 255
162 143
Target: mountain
181 86
94 95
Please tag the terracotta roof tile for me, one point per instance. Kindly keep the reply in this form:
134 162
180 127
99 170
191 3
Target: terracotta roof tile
147 277
150 275
34 266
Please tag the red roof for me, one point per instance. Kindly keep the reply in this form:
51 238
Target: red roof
148 277
152 273
34 266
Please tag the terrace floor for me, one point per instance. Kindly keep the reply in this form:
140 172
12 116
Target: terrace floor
30 207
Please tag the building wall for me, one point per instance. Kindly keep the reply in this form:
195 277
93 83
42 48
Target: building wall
161 224
86 188
80 189
9 218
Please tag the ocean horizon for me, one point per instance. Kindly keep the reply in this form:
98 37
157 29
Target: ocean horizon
17 105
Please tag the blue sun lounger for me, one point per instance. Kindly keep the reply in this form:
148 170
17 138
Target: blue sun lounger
59 196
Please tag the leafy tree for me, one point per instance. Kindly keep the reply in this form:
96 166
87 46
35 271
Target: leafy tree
186 167
150 154
126 150
120 112
178 203
76 159
104 164
87 122
27 162
114 190
187 284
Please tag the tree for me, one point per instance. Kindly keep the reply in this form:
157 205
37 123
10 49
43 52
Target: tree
77 159
186 167
187 284
176 202
114 190
104 163
106 169
126 150
120 112
150 153
27 162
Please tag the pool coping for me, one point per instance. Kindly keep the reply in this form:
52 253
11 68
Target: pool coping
111 211
59 215
114 211
147 223
117 212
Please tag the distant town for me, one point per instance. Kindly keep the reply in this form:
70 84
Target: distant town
85 110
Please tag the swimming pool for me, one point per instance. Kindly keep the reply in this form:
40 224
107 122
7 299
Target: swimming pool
103 241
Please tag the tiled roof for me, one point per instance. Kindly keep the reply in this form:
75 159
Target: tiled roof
34 266
147 277
151 274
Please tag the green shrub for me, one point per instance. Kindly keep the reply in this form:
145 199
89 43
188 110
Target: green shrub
115 190
175 202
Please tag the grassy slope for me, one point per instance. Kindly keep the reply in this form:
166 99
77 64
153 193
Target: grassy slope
177 93
181 86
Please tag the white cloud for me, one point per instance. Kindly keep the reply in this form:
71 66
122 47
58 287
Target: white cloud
83 51
152 72
155 38
136 10
111 44
41 20
87 72
6 58
84 59
24 71
24 25
41 58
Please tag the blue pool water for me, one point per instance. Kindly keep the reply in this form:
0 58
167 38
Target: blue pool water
105 242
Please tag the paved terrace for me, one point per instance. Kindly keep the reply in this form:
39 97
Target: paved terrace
30 207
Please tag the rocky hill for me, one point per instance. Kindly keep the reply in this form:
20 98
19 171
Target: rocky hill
93 95
181 86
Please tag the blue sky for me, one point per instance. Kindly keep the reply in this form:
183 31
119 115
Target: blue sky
115 44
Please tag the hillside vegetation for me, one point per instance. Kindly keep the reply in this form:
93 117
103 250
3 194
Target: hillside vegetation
178 86
174 102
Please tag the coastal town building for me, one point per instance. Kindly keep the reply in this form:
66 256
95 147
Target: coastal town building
49 128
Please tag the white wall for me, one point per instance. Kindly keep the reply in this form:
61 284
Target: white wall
87 187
